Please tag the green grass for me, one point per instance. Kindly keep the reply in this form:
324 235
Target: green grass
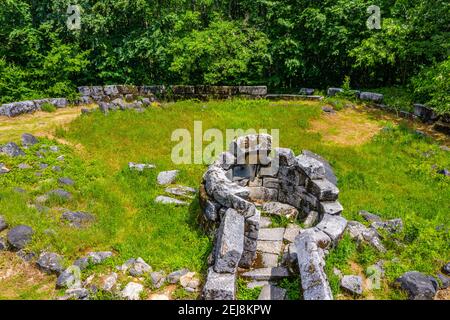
391 175
48 107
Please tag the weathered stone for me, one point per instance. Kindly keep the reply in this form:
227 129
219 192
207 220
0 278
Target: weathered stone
267 274
140 166
241 172
247 258
18 237
271 234
311 265
167 177
169 200
361 233
269 246
271 292
261 194
253 144
328 109
69 278
66 181
225 160
265 222
291 232
306 91
230 242
158 279
77 293
82 263
60 193
333 226
26 256
132 291
311 167
77 219
331 208
3 224
28 140
175 276
219 286
312 219
50 262
418 285
370 217
99 257
11 149
286 157
333 91
211 210
269 260
181 191
371 96
446 268
323 189
280 209
3 169
190 281
24 166
59 102
289 176
352 284
329 172
391 226
139 268
3 244
17 108
444 281
110 282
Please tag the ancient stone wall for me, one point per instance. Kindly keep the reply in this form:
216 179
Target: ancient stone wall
232 193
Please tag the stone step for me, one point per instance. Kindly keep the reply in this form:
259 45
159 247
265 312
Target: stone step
267 274
271 234
273 247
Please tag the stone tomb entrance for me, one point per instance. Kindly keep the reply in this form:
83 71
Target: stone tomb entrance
245 181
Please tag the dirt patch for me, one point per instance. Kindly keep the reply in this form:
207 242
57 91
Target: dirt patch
22 280
348 127
443 294
39 123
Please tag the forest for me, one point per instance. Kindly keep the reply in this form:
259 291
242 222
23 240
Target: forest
285 45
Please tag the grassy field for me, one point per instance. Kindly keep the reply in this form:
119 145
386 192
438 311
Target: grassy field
382 166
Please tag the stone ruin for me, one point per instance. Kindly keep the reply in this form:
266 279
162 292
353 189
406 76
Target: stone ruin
234 190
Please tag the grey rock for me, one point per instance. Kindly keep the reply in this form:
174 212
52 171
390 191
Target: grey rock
211 210
175 276
50 262
18 237
230 242
3 224
181 191
244 172
370 217
271 292
329 172
330 207
352 284
286 157
85 111
111 90
139 268
158 279
265 222
371 96
3 169
54 148
306 91
110 282
82 263
273 247
99 257
323 189
66 181
360 232
60 193
11 149
3 244
59 102
444 280
69 278
219 286
269 260
167 177
17 108
311 167
77 219
291 232
391 226
56 168
24 166
28 140
446 268
333 226
225 160
328 109
280 209
333 91
43 166
312 219
169 200
311 265
104 107
418 285
444 172
26 255
271 234
267 274
140 166
132 291
78 293
262 194
253 144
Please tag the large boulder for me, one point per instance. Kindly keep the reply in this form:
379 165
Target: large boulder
418 285
17 108
28 140
18 237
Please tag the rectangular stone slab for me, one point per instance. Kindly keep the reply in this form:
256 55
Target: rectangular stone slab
230 242
323 189
219 286
271 234
269 246
267 274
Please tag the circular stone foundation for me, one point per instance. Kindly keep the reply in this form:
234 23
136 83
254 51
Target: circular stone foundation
245 180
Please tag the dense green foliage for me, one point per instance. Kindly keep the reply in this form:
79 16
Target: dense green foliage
283 44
